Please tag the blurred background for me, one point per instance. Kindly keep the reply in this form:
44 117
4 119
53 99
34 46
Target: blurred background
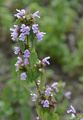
62 20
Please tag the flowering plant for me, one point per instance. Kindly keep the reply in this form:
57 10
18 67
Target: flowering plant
25 33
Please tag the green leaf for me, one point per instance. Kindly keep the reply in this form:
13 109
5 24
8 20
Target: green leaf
46 114
33 72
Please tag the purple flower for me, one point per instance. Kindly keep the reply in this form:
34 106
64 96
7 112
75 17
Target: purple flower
35 28
45 60
71 110
37 118
36 14
19 63
14 32
26 62
22 37
48 91
54 86
16 50
68 94
20 14
40 35
45 103
34 97
25 29
26 53
23 76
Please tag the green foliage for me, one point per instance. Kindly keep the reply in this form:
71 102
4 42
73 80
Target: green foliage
60 26
33 72
14 103
47 115
5 18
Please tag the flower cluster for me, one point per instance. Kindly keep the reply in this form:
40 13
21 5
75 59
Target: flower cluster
21 32
45 98
22 62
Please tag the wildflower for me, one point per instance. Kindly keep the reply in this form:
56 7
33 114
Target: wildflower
16 50
22 37
35 28
72 111
34 97
20 14
25 29
37 118
38 82
14 32
36 14
26 53
48 91
45 60
54 86
19 63
26 62
19 60
23 76
40 35
68 94
45 103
